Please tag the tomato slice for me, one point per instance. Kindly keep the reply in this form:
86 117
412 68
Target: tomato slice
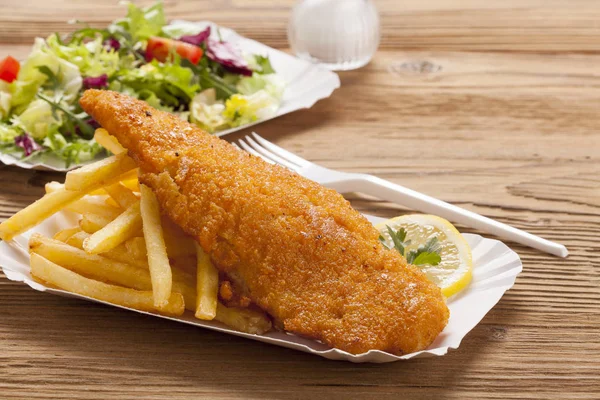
159 48
9 69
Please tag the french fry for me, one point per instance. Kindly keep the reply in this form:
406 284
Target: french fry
108 141
119 253
104 268
158 261
122 228
54 186
187 262
135 254
132 183
90 265
92 223
65 234
76 240
65 279
108 270
188 292
136 247
94 205
126 177
111 202
207 286
98 192
243 319
99 172
121 195
43 208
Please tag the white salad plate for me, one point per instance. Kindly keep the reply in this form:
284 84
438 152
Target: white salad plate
495 269
306 83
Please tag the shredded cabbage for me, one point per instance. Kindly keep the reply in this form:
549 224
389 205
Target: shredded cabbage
8 133
91 58
242 109
37 119
72 151
69 80
207 112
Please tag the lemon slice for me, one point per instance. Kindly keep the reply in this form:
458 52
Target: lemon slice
453 273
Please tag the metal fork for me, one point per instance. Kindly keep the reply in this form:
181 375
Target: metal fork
345 182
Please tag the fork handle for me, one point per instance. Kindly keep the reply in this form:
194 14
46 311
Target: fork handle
392 192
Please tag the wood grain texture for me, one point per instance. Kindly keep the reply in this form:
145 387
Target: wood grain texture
493 107
510 25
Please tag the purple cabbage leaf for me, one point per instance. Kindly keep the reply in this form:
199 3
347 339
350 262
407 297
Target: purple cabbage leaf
27 143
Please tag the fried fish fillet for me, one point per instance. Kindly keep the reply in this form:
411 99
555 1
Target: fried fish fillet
296 249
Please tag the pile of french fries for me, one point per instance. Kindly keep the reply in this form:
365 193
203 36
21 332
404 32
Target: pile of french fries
124 251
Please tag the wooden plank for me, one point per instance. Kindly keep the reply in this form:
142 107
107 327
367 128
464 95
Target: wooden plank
514 25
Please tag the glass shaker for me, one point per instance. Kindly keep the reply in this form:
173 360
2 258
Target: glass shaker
339 34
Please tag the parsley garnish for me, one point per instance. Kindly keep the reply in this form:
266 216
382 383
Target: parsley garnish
429 253
398 238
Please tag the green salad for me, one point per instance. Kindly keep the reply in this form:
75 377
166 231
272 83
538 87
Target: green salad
182 69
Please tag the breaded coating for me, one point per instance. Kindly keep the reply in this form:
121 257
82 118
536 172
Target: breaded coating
296 249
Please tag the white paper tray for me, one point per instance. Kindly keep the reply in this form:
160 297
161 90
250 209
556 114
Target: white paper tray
495 270
307 83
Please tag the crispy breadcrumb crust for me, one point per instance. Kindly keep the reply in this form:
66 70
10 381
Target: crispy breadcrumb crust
297 249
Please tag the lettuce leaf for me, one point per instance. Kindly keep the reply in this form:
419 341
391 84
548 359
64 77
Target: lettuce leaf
74 150
259 64
38 119
144 94
182 29
92 58
69 80
173 85
271 83
141 23
30 79
41 66
8 133
5 100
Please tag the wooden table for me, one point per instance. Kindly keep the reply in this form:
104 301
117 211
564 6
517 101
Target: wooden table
493 106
